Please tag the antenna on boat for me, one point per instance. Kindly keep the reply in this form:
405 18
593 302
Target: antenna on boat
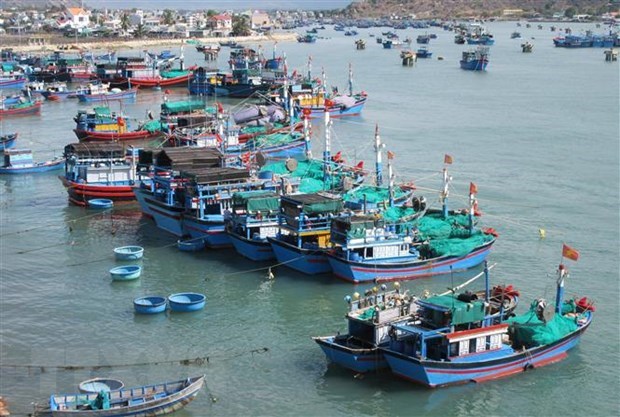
306 117
390 156
309 67
378 163
350 80
473 203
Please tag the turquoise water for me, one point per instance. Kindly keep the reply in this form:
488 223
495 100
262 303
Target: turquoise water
538 133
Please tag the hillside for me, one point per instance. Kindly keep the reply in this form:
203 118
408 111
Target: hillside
463 8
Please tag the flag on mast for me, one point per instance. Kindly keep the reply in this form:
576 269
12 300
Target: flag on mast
569 253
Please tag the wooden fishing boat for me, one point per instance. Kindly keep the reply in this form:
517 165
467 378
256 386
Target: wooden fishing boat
20 109
165 79
19 161
126 272
7 141
128 253
453 342
186 301
100 92
143 401
476 60
150 305
98 170
101 124
371 315
16 82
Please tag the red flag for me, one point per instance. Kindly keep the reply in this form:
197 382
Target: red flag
570 253
473 188
360 165
390 155
447 159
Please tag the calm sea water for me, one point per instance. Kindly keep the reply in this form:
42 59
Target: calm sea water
538 133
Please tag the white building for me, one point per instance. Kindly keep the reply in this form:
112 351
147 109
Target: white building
78 17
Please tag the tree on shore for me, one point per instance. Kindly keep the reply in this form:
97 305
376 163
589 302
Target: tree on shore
125 23
240 26
140 31
168 17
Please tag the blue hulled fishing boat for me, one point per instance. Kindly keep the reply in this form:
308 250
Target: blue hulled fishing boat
452 341
20 161
475 60
371 316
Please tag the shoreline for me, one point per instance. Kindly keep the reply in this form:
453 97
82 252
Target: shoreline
129 44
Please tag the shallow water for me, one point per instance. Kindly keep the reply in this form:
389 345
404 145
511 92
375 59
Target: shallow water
538 133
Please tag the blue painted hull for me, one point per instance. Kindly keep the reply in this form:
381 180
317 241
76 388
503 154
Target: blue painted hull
307 261
356 359
370 272
166 217
123 95
475 65
141 195
354 110
255 250
211 230
480 367
42 167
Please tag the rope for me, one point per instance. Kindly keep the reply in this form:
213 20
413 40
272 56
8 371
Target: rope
266 267
17 232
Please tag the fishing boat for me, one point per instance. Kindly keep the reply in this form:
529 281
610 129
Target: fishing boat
307 38
423 39
313 97
527 47
98 170
409 243
147 400
515 35
24 108
19 161
454 342
101 124
423 52
12 81
370 317
169 78
482 39
101 92
7 141
96 385
59 91
303 231
475 60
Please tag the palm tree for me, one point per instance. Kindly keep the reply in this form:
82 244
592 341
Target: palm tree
125 23
140 31
168 17
240 26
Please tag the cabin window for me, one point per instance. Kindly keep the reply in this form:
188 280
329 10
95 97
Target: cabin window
463 347
495 341
481 344
454 349
473 346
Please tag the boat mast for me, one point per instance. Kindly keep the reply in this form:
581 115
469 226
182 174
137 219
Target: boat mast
306 117
390 179
309 68
181 59
350 80
559 295
443 196
327 151
472 206
378 165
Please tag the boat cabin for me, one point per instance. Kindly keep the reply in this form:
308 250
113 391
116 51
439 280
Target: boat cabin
18 158
101 119
100 163
255 214
449 327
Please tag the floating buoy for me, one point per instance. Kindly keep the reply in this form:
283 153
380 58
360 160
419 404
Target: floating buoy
439 58
542 233
270 274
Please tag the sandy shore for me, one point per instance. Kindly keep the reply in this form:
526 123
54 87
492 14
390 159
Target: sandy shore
118 44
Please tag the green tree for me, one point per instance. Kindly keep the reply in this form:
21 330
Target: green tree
570 12
240 26
211 13
125 23
168 17
140 31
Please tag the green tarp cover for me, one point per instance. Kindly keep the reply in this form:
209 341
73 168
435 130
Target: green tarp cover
103 112
21 105
184 106
153 126
263 201
173 73
373 194
461 312
328 206
457 246
367 314
7 67
397 214
528 330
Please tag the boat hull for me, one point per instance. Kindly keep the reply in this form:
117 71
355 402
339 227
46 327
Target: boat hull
210 229
255 250
123 95
80 193
307 261
180 81
358 359
37 168
21 111
475 65
357 272
336 111
166 217
90 136
504 363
